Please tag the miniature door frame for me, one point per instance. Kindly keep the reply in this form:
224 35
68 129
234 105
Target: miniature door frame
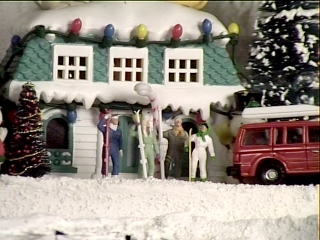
129 163
60 158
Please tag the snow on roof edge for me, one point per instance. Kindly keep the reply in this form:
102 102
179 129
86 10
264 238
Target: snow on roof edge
187 99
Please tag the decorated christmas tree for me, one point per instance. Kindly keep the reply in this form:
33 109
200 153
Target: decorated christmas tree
26 154
284 55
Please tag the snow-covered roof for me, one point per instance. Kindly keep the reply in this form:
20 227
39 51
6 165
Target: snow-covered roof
126 16
186 98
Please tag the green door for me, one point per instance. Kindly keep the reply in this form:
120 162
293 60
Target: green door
59 140
129 163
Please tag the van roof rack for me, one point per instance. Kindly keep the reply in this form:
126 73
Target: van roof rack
290 111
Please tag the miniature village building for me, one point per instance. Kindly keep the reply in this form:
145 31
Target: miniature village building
85 58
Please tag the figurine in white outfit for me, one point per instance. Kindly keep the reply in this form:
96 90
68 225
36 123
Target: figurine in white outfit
202 141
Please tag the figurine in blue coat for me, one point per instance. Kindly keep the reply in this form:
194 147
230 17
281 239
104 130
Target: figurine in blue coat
115 143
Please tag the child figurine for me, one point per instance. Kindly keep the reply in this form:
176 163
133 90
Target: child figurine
202 141
3 135
151 147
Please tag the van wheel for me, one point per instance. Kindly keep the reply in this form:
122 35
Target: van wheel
272 174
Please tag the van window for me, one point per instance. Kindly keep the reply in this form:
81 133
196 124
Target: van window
279 135
256 137
294 135
313 134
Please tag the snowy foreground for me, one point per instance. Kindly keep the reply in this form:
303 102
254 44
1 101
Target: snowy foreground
33 209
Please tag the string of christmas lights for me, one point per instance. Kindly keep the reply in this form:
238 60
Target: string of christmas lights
140 40
26 169
33 115
27 156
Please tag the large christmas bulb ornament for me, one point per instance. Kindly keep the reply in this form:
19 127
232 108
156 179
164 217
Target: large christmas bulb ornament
177 31
108 36
234 28
141 36
109 31
142 31
176 34
206 26
74 30
76 26
15 40
71 112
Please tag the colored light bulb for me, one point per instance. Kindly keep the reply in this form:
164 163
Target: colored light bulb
233 28
76 26
109 30
142 31
177 31
72 116
15 40
206 26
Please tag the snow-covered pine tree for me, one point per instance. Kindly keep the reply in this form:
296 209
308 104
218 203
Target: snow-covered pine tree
26 154
284 55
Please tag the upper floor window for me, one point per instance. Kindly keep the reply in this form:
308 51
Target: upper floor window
72 62
183 65
128 64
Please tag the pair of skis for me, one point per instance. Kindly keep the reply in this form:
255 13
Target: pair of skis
106 159
143 159
190 153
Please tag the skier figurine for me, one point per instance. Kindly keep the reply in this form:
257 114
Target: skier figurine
114 144
151 146
177 140
202 141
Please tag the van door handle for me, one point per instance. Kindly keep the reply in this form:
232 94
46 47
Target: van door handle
315 151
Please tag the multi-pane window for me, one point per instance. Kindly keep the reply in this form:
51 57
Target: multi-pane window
278 135
183 65
313 133
128 64
72 62
294 135
257 137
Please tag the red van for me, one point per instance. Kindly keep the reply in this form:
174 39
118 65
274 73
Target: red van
268 152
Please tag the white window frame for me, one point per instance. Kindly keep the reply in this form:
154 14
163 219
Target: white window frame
76 51
187 54
128 53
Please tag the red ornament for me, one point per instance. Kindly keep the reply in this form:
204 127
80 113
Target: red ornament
76 26
11 116
177 31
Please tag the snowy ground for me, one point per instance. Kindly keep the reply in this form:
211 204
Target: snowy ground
154 209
